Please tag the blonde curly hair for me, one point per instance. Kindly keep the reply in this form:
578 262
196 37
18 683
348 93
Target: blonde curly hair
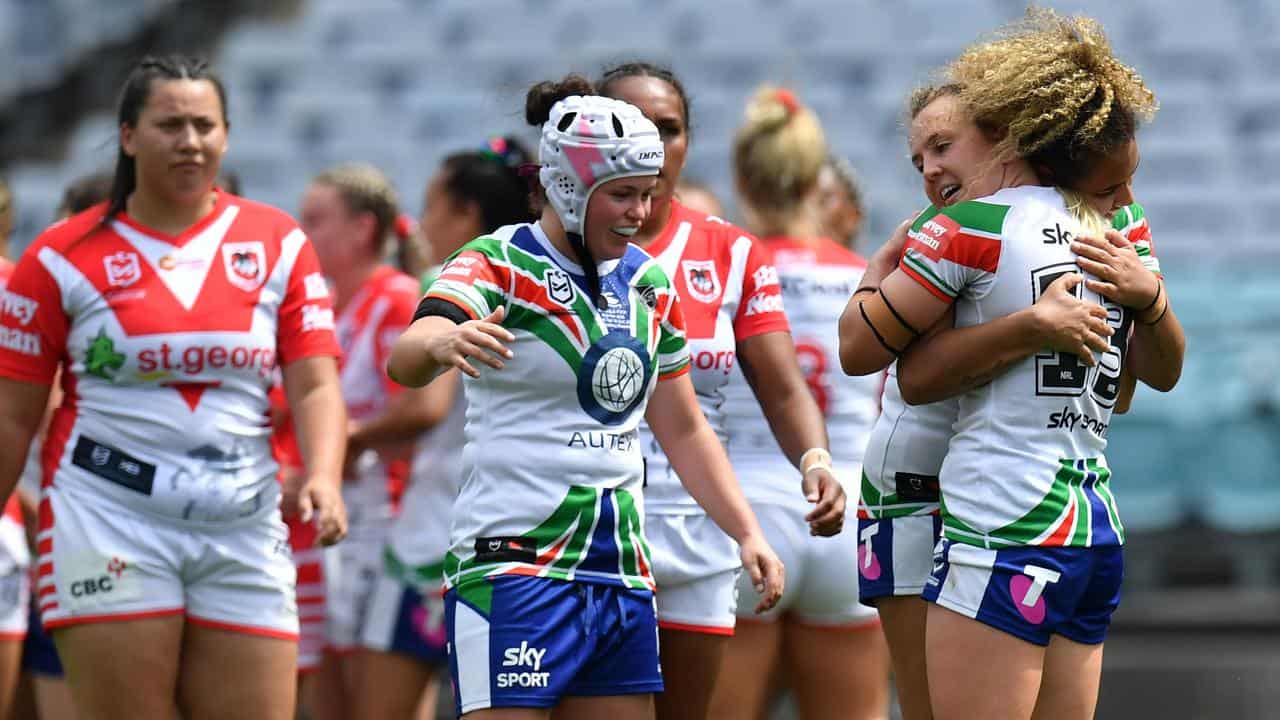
1056 87
364 188
778 151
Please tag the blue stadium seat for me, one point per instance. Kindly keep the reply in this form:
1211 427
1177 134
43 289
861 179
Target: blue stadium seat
1236 475
1148 475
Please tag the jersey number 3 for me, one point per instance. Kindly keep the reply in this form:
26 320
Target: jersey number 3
1063 373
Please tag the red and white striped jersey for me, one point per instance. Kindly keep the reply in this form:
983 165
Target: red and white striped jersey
168 346
367 327
729 291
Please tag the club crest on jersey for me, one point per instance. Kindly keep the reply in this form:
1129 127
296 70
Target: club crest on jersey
701 278
613 377
246 264
559 286
123 269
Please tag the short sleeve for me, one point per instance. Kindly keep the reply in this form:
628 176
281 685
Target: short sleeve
673 348
473 280
306 315
33 325
761 308
956 250
1131 222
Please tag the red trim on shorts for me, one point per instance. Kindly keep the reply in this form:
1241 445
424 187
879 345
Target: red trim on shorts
702 629
13 636
82 619
245 629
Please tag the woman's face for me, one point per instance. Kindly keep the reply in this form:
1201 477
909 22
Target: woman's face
179 139
446 223
1109 186
660 102
615 213
840 215
335 232
955 158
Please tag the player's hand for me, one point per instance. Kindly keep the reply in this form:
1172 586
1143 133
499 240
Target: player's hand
320 502
291 482
1121 276
827 496
480 340
765 570
1068 324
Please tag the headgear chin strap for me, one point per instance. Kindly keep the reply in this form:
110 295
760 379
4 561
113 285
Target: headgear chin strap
586 142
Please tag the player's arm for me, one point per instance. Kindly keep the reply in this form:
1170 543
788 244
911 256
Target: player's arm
435 343
699 460
880 322
320 419
949 361
21 407
769 364
409 414
1158 345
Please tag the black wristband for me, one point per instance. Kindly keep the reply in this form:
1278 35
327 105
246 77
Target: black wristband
897 315
884 343
1158 317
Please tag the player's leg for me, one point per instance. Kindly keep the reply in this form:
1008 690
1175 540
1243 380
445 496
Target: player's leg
1069 688
833 649
895 557
903 620
15 596
691 663
404 642
240 648
748 673
616 707
91 655
1003 686
393 686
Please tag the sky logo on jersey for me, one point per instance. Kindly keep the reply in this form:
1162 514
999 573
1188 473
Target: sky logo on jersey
613 377
123 269
701 279
524 656
101 358
245 264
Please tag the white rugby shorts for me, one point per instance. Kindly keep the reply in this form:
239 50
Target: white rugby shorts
100 561
696 567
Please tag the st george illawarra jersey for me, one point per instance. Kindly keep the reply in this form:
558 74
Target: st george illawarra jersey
552 468
1026 464
817 277
729 292
908 442
168 346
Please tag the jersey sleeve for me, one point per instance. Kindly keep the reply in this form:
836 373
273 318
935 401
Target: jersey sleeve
761 308
673 348
403 298
1131 221
475 279
956 250
306 315
33 325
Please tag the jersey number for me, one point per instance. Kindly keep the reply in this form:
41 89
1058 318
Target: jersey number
1063 373
813 363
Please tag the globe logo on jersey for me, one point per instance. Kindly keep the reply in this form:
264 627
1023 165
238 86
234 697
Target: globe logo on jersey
613 377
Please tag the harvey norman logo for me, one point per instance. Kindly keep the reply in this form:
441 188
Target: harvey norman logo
19 306
933 235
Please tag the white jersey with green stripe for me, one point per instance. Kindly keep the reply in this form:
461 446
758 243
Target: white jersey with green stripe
1025 465
909 442
552 469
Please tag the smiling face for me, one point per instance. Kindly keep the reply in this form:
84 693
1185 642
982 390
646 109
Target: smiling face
178 141
661 103
953 155
615 213
1108 186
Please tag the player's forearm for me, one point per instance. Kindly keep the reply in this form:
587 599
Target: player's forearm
409 414
410 364
319 416
1157 348
952 361
703 468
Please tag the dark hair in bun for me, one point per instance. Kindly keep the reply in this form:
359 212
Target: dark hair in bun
542 96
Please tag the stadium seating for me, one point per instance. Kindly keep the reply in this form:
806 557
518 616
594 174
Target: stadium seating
403 82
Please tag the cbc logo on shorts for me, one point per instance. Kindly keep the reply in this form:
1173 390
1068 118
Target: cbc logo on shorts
101 584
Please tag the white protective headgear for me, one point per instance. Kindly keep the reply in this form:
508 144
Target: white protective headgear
589 140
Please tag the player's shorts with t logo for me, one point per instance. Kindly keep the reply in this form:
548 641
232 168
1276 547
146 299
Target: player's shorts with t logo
522 641
1031 592
895 555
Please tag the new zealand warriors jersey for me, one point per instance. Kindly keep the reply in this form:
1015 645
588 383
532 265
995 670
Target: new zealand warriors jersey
729 292
552 468
817 278
909 442
1026 464
168 346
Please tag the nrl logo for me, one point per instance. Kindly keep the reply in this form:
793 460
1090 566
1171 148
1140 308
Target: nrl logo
559 286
